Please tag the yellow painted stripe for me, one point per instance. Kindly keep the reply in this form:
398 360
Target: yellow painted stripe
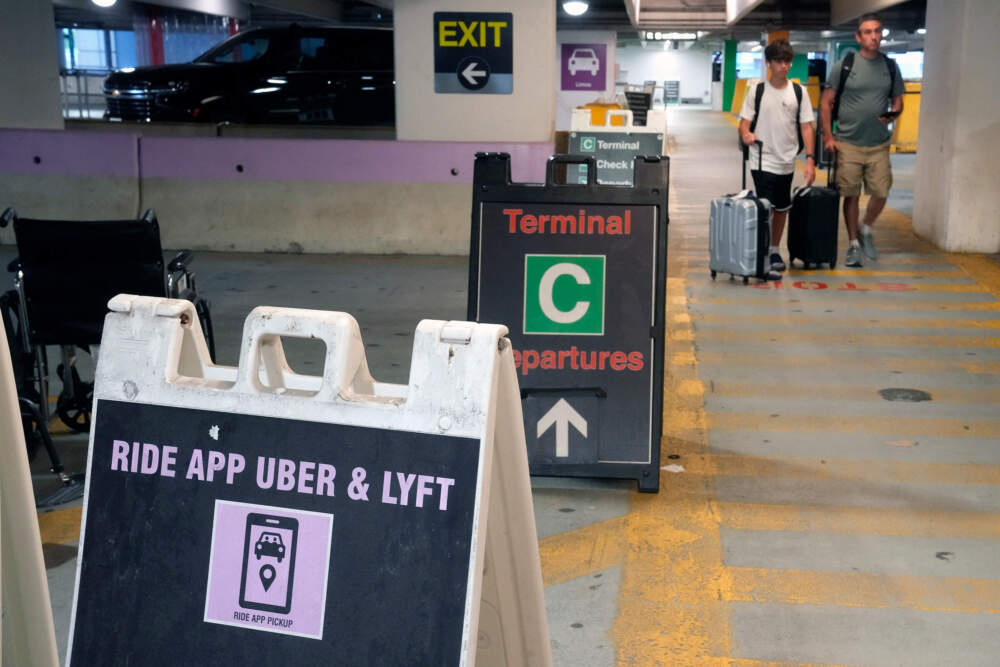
857 589
860 520
981 269
775 320
877 273
912 426
670 609
911 472
581 552
813 338
910 365
60 526
811 282
889 303
782 390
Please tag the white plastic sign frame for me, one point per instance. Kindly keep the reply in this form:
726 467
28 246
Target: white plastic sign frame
462 384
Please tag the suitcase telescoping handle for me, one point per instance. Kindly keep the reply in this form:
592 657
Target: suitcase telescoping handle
760 159
589 160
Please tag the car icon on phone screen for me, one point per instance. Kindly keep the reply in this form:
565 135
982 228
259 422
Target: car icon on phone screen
269 544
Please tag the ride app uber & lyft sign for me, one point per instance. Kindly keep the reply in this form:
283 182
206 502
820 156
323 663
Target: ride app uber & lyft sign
473 52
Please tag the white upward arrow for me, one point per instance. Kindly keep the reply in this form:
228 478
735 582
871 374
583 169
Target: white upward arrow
470 73
562 415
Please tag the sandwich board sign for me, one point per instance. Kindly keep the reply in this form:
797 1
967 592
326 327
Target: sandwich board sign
614 147
578 274
256 516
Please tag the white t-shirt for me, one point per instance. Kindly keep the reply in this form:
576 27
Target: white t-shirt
776 126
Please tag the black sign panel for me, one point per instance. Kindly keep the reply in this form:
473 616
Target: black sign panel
614 153
473 52
577 273
215 538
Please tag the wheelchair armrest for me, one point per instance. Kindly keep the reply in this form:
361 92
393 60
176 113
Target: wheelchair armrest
180 261
9 215
14 266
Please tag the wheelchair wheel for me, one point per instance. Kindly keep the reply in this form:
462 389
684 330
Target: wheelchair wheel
32 438
74 411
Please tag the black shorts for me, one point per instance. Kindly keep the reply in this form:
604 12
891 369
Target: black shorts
776 188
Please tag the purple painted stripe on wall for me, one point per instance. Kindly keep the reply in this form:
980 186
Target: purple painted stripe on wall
333 161
71 153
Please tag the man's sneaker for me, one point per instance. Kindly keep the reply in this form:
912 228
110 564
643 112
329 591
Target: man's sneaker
776 262
853 256
868 245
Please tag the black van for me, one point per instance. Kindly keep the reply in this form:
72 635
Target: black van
341 76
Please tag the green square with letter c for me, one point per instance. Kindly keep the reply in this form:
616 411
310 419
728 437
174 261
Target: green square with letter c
564 294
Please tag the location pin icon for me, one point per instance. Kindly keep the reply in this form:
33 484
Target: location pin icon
267 575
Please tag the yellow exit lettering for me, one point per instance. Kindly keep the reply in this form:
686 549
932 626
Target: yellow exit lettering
448 33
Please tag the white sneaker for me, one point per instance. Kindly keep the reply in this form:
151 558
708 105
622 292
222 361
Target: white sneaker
853 256
868 245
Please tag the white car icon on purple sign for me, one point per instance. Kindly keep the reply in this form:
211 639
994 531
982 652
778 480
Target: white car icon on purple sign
584 59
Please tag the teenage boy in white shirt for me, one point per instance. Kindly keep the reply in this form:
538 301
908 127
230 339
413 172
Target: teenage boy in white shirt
782 118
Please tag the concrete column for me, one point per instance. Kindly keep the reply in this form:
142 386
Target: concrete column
728 73
957 203
528 114
29 66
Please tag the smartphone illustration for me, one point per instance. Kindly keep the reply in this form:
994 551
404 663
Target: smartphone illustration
268 563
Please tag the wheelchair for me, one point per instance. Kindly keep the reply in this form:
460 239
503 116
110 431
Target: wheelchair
65 273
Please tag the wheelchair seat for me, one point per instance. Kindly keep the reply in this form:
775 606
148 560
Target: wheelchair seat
66 272
71 269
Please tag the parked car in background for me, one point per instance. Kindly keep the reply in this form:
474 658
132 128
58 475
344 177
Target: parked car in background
342 76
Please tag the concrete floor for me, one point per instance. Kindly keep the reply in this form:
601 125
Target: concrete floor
803 517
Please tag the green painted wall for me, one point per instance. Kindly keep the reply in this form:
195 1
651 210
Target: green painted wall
800 68
728 73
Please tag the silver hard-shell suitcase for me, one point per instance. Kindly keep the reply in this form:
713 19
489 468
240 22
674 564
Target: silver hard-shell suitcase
740 234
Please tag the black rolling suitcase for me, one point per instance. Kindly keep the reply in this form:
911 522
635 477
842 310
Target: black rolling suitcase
813 223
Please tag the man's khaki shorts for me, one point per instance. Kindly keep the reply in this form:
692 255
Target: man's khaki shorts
868 164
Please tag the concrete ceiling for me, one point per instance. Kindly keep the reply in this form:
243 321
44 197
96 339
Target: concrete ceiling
677 14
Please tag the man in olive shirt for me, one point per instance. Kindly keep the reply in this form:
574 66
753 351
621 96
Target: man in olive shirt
863 135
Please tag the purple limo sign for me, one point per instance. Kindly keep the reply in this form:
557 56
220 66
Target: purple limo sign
584 66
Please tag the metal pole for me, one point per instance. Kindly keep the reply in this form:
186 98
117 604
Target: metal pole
24 591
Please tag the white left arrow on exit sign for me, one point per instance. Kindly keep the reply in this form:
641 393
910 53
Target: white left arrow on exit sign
471 73
562 415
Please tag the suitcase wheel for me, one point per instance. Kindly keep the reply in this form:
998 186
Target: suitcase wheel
746 280
833 263
713 275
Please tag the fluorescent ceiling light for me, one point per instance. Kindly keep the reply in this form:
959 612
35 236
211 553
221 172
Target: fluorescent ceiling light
103 3
574 7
